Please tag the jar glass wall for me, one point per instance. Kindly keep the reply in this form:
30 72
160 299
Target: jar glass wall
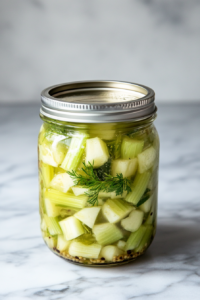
98 189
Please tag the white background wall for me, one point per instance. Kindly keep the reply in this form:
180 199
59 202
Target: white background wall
45 42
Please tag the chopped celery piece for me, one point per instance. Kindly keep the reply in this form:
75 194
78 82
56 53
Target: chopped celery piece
96 152
144 197
130 148
86 239
75 152
135 238
88 251
46 155
107 233
146 159
152 213
116 209
108 252
121 244
88 215
112 195
105 194
62 182
63 199
47 174
62 243
51 209
59 149
126 167
106 135
79 190
146 239
71 228
145 207
43 225
138 188
51 241
52 225
153 180
134 221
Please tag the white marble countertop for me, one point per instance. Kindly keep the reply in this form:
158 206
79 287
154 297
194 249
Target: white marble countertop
170 269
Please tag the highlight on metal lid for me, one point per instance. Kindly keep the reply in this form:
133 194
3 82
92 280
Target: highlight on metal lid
98 102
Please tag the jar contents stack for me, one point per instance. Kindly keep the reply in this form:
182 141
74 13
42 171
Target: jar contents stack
98 190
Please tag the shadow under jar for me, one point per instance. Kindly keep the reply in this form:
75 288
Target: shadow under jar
98 171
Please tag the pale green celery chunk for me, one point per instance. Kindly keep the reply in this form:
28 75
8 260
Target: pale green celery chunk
62 182
67 199
146 159
153 180
133 221
145 207
116 209
135 238
121 244
43 225
75 152
138 187
51 241
46 155
106 135
107 233
62 243
108 252
96 152
51 209
146 239
87 251
59 149
88 215
105 194
127 167
130 148
52 225
47 174
112 195
79 190
71 228
152 213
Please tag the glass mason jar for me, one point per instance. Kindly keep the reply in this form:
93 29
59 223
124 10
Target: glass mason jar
98 171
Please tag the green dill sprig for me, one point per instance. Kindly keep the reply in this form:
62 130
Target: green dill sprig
117 184
52 129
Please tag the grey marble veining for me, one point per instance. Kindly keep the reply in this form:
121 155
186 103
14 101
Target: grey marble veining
168 270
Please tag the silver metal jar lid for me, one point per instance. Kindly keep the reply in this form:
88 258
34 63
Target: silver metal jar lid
98 102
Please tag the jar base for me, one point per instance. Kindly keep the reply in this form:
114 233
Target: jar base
104 264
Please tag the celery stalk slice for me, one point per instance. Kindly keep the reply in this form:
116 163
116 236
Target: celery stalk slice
67 199
135 238
52 225
51 209
47 174
71 228
62 243
130 148
116 209
75 152
107 233
138 187
108 252
88 251
146 239
51 241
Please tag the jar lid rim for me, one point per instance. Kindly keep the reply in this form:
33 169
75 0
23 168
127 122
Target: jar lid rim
99 101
